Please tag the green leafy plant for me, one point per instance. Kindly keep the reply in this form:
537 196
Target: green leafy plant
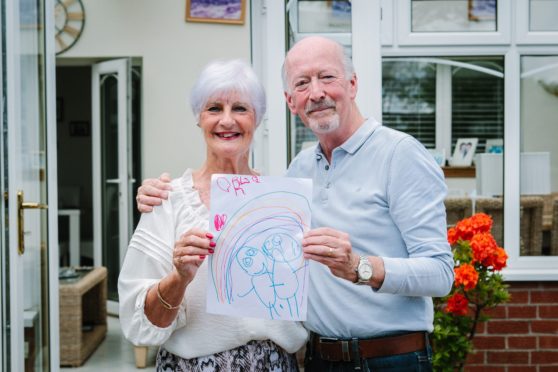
478 286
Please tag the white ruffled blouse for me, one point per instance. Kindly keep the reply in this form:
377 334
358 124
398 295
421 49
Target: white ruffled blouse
194 332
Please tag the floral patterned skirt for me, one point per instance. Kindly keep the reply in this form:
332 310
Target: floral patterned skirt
254 356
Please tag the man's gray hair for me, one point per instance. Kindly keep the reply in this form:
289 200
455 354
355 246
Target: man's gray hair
233 76
345 59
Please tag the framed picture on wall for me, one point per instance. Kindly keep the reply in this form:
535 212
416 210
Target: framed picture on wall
464 152
216 11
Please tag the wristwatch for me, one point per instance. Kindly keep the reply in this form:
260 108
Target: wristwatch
364 271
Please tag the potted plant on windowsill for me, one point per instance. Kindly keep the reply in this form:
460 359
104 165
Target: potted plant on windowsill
478 286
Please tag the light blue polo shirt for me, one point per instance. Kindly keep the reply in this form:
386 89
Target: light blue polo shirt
385 190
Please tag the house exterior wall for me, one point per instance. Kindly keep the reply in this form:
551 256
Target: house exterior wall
172 52
521 335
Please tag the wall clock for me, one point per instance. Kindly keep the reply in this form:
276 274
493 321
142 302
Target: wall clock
69 21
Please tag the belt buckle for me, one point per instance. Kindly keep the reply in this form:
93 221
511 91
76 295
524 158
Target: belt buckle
344 346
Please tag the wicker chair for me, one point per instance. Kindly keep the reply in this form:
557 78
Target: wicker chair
457 209
530 225
494 208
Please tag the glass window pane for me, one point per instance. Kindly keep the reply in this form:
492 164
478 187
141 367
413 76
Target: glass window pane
539 155
324 16
478 101
476 104
110 193
543 15
453 15
409 99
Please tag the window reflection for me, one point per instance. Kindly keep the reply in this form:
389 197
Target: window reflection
324 16
454 15
542 15
539 165
460 96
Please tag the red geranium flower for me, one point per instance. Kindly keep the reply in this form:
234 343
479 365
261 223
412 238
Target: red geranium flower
467 276
452 236
457 304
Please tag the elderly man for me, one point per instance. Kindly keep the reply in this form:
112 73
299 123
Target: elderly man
378 246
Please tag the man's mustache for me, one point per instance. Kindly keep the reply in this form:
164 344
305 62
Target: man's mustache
325 104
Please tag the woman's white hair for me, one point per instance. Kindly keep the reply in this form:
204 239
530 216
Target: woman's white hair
233 76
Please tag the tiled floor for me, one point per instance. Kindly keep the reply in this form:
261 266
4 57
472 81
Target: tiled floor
114 354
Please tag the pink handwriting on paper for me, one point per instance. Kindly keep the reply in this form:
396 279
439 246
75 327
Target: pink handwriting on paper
219 221
236 183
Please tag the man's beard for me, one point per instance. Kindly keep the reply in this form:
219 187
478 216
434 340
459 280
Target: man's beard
323 125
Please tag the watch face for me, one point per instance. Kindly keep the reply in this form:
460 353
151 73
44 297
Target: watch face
69 18
364 271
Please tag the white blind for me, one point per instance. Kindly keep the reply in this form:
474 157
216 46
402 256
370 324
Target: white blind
477 108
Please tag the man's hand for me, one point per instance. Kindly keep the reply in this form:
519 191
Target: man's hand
333 249
152 192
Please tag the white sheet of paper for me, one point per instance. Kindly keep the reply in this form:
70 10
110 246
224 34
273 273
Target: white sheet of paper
258 269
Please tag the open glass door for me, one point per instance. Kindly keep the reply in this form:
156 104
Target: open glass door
112 168
26 254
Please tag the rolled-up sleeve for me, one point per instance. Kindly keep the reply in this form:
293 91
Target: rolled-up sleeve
148 260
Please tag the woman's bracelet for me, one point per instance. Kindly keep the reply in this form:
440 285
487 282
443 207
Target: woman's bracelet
165 304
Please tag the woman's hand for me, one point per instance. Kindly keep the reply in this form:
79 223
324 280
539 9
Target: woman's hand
190 251
152 192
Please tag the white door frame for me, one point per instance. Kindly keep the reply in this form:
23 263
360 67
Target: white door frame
52 185
119 67
3 310
12 108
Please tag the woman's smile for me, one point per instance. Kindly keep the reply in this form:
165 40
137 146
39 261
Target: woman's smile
228 136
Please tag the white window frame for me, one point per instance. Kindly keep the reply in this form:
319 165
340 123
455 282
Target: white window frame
268 49
523 34
368 47
520 268
407 37
388 22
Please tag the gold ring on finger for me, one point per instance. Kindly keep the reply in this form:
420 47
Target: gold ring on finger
330 254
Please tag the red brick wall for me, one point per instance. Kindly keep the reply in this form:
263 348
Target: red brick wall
521 335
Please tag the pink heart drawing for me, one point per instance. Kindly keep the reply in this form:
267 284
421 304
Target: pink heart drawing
219 221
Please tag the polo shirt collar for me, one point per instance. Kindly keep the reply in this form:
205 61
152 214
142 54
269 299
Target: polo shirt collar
357 139
360 136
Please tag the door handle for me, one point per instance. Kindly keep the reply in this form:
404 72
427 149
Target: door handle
113 180
21 205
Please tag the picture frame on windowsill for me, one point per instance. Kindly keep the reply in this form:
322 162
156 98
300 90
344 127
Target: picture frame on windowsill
464 151
494 146
439 156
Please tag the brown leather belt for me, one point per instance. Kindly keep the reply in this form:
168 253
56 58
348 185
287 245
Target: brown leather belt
336 350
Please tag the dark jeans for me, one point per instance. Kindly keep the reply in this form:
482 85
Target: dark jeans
415 361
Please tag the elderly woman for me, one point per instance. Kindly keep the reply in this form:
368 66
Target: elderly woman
162 285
